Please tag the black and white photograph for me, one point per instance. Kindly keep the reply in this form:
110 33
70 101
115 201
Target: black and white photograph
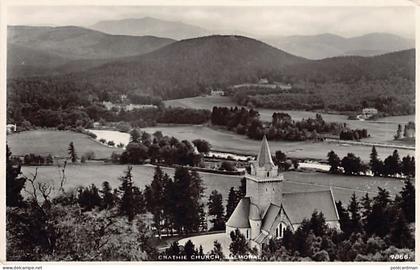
227 131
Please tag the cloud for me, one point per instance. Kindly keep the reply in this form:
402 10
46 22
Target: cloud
258 20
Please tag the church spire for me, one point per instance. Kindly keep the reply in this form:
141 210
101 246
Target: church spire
264 156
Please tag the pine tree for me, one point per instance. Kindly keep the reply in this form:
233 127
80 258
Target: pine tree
173 250
107 196
353 209
400 235
242 188
408 201
333 161
375 164
72 152
344 216
366 203
217 251
216 209
406 166
14 181
186 194
134 136
239 245
379 220
155 197
89 198
127 203
231 203
189 250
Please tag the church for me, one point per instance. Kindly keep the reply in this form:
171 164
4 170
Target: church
266 210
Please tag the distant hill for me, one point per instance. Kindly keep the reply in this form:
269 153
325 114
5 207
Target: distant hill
329 45
81 43
150 26
36 50
187 67
354 68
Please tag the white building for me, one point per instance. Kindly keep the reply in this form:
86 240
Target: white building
10 128
266 211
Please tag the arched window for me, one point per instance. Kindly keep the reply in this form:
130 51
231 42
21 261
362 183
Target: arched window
280 230
247 236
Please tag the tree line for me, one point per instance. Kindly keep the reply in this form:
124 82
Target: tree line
393 165
246 122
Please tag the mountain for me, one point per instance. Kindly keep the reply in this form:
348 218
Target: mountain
350 69
329 45
38 50
80 43
150 26
187 67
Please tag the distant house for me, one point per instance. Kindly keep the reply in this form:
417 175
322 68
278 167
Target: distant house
127 107
10 128
369 112
217 92
283 86
263 81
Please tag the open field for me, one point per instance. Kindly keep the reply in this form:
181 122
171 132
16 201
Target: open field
381 131
222 140
44 142
343 186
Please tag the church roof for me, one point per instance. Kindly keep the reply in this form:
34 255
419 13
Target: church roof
264 156
254 212
240 216
301 205
270 216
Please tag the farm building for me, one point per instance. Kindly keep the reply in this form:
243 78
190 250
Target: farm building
369 112
10 128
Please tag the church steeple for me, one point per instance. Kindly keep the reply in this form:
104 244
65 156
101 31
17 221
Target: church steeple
264 156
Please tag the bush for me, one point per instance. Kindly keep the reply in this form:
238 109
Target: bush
89 155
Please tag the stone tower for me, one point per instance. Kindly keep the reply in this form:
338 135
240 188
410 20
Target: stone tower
264 186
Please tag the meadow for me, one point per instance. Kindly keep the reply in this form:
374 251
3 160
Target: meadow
342 186
56 143
381 131
222 140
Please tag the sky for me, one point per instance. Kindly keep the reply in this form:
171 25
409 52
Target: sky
255 20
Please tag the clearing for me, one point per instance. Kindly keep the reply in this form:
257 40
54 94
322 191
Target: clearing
54 142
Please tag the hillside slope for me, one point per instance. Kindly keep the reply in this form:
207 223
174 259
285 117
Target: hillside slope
187 67
40 50
330 45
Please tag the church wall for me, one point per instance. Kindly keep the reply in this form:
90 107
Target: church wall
264 193
255 228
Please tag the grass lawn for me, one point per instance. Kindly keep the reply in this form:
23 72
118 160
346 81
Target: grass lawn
44 142
222 140
381 131
343 186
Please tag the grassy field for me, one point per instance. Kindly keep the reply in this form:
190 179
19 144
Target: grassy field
343 186
44 142
222 140
381 131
